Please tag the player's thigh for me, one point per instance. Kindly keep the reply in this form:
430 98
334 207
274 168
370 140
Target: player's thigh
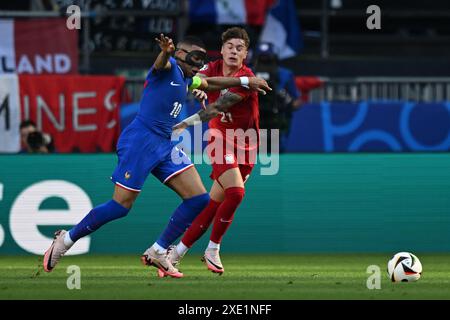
124 197
217 193
187 184
231 178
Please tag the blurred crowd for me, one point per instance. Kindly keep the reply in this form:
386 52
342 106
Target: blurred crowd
276 108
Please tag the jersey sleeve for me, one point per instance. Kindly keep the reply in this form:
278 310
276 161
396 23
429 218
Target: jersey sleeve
150 73
242 91
173 62
206 70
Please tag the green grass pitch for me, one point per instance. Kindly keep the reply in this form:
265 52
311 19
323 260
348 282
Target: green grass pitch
265 277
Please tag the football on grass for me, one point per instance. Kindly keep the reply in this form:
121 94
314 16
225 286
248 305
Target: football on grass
404 267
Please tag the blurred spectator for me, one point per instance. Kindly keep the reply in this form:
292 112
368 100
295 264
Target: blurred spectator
32 140
276 107
36 143
26 127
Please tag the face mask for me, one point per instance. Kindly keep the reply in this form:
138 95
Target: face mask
195 58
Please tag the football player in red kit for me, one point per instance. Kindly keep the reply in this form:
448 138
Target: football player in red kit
234 123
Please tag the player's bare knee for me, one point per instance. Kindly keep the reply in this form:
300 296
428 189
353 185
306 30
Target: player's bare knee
125 198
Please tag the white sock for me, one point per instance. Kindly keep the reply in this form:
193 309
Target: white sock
181 249
158 248
213 245
67 240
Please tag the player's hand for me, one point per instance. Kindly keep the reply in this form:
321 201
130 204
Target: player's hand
165 43
200 96
179 127
259 84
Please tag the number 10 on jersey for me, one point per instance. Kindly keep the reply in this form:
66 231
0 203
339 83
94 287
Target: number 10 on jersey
176 109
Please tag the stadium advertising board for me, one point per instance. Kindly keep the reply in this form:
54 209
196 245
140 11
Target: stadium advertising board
38 46
338 203
80 112
371 127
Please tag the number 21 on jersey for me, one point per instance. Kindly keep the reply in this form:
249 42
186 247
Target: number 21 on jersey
226 117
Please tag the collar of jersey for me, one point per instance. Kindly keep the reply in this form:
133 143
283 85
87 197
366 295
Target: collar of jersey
181 71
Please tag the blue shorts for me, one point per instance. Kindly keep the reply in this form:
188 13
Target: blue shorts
140 151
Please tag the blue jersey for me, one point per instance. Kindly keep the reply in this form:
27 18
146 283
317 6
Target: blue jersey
145 146
164 96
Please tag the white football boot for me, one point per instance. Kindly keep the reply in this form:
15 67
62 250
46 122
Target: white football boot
174 258
212 260
161 261
56 251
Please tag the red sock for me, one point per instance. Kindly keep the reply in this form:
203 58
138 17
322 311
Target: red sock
200 224
225 212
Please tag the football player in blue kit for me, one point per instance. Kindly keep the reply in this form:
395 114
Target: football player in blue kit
145 147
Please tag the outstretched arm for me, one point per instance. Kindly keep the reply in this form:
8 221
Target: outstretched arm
167 47
225 102
212 110
219 83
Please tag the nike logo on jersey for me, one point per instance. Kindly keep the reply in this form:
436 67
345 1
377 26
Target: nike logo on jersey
174 84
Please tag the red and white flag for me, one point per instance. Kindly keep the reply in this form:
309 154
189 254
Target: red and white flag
38 46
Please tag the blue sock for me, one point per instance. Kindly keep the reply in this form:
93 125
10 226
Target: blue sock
97 217
182 218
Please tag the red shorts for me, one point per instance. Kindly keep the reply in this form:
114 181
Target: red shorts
230 161
218 169
232 155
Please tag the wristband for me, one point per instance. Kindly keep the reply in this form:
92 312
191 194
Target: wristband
244 81
196 82
193 120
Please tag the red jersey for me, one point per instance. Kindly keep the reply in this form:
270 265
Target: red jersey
243 115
